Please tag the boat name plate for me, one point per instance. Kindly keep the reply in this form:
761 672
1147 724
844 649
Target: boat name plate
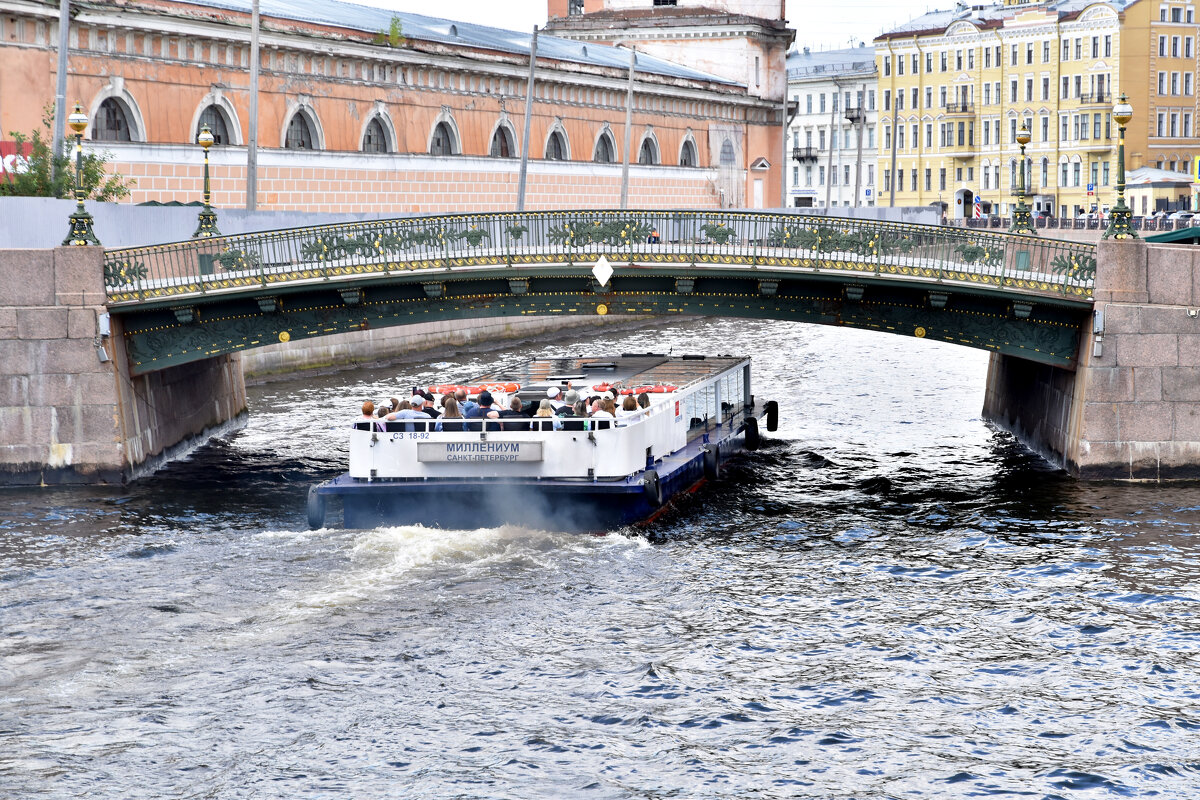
457 452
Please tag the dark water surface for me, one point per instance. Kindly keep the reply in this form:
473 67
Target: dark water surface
892 600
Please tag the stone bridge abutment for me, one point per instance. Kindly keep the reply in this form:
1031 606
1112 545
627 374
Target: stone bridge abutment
1131 410
69 410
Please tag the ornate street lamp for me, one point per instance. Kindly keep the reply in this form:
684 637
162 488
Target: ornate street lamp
207 227
1120 219
1022 218
81 233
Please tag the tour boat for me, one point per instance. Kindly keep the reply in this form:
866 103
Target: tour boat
561 473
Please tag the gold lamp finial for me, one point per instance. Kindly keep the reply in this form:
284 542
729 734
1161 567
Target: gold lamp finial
1122 112
205 139
77 121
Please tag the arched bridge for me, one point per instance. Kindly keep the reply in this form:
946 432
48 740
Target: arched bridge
1018 295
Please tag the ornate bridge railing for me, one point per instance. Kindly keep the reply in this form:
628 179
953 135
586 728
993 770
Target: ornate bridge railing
691 239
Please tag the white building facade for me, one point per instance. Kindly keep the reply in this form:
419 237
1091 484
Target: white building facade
833 135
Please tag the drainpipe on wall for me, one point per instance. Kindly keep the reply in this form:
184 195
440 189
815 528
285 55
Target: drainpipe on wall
832 144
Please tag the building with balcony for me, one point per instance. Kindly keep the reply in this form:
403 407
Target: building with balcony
955 86
832 134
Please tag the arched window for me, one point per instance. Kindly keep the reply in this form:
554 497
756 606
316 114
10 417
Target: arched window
374 137
727 155
299 133
649 153
442 143
214 117
1045 172
687 156
605 152
502 143
556 148
112 122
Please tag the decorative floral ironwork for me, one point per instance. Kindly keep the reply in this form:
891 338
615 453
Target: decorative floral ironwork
235 259
718 232
121 273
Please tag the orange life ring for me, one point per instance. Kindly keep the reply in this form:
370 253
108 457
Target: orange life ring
601 387
507 388
443 389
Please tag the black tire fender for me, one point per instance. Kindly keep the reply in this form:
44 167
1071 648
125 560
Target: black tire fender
316 509
772 409
712 462
652 486
753 440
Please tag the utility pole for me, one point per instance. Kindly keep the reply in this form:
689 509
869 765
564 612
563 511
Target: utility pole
528 121
60 90
628 130
859 117
252 145
832 144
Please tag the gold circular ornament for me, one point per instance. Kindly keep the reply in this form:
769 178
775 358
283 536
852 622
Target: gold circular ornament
919 333
602 309
284 336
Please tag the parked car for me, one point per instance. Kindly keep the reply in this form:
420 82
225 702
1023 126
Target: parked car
1182 216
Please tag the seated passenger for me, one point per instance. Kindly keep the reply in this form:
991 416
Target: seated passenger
368 412
407 412
544 419
567 408
577 419
644 400
552 394
465 405
452 419
514 411
601 413
629 408
484 410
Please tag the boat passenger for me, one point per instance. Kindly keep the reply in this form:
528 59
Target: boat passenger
575 418
601 414
515 419
567 409
628 410
407 412
368 411
465 405
544 419
451 420
485 410
552 394
644 400
423 401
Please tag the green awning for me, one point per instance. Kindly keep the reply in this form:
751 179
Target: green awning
1182 236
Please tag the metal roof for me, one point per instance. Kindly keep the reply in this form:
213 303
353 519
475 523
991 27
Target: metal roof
809 63
341 14
993 14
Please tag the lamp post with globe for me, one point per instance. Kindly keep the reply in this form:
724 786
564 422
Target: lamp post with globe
1120 219
81 233
207 227
1022 219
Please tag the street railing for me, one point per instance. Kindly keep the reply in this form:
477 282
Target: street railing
694 239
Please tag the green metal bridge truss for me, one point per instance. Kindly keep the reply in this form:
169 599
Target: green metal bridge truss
185 301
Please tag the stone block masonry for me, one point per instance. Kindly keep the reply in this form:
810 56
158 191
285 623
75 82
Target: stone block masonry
69 411
1132 409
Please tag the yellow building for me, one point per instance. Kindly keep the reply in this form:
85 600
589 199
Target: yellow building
955 87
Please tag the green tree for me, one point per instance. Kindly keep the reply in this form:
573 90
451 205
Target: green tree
393 36
47 174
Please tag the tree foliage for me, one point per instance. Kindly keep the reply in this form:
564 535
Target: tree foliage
42 173
393 36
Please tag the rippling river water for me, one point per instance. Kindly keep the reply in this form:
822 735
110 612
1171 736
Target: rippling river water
891 600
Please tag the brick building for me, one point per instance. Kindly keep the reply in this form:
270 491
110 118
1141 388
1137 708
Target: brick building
351 121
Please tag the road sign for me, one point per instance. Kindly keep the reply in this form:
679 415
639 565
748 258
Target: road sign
1091 188
867 192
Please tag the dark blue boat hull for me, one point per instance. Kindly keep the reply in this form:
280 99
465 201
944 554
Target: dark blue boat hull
557 504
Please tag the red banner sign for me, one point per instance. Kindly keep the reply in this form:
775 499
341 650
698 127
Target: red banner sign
12 158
